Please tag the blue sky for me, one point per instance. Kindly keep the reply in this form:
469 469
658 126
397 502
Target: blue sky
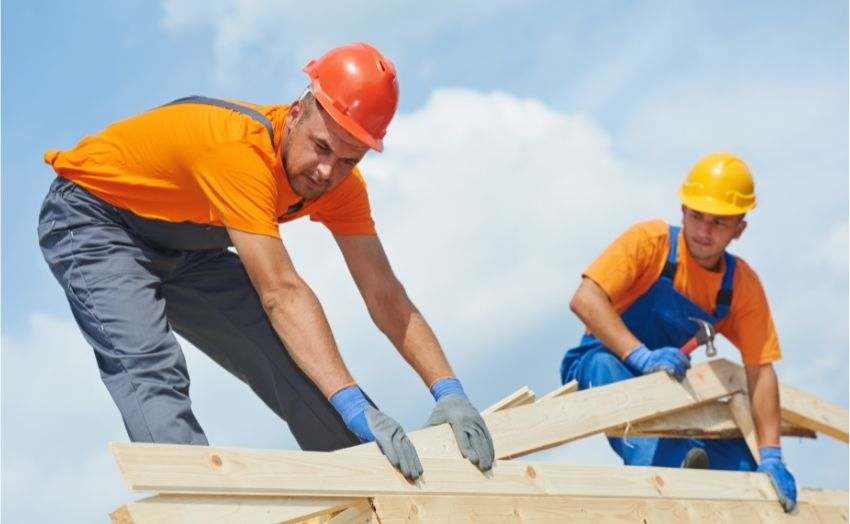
529 135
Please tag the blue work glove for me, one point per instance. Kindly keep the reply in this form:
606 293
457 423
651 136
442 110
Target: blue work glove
370 425
780 477
473 437
670 359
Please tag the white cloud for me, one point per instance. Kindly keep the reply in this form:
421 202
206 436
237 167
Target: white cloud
833 249
489 206
57 419
772 122
258 38
82 488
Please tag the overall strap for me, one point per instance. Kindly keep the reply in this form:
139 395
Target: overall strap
723 301
724 295
669 270
247 111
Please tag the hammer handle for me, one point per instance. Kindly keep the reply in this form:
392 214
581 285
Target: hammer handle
690 346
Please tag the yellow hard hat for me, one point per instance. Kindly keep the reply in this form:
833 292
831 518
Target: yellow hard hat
719 184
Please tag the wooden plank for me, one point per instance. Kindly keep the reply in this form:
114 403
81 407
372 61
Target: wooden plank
811 412
361 513
178 509
739 406
569 387
712 420
519 397
525 429
392 509
170 468
824 497
165 509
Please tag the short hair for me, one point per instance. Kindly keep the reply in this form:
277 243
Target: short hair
308 103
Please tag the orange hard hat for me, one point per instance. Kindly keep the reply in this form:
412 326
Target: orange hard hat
357 86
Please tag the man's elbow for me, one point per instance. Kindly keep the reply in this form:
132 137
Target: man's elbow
388 305
578 304
279 296
575 303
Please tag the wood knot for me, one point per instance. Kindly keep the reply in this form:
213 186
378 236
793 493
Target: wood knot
216 461
530 472
658 483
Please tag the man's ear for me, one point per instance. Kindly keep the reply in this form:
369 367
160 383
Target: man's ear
294 113
742 225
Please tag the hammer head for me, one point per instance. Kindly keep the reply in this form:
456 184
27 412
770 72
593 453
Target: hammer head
705 335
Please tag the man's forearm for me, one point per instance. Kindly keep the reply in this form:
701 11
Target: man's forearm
592 306
409 332
764 398
299 321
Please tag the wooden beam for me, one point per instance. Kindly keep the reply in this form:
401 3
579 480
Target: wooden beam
170 468
525 429
739 406
166 509
569 387
712 420
811 412
520 397
824 497
393 509
178 509
361 513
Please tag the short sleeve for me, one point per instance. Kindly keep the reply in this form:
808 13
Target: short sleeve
627 259
240 187
345 209
749 325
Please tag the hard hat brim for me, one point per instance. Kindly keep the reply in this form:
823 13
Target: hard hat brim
713 206
345 121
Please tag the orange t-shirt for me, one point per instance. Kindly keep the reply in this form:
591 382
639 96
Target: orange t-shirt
634 261
208 165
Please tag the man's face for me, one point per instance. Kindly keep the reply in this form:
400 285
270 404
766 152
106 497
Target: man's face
708 235
317 152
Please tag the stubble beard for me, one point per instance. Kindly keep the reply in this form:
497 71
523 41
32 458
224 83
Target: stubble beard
296 179
704 254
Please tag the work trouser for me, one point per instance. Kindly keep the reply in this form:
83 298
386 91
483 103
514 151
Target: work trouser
130 291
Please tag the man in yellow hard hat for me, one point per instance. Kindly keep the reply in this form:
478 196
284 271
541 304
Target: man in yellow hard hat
136 229
638 299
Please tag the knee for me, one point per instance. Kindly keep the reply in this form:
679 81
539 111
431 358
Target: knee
603 368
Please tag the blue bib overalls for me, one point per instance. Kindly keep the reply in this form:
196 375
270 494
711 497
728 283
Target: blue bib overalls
658 318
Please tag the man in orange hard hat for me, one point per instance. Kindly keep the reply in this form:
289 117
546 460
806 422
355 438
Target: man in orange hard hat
136 229
640 297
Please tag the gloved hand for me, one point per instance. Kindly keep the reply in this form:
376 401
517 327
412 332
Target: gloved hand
644 360
780 477
473 437
369 425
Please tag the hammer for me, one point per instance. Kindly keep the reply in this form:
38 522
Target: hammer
704 336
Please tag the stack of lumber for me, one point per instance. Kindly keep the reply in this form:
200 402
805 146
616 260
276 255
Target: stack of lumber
208 484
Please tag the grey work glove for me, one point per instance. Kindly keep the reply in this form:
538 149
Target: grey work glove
473 437
394 443
370 425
